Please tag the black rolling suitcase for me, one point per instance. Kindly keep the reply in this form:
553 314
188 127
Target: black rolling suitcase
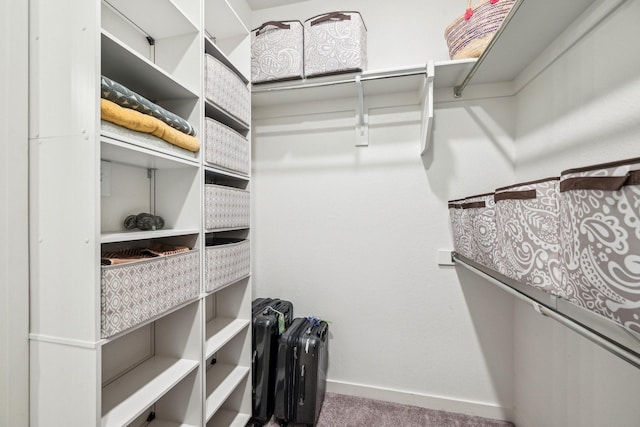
270 318
302 371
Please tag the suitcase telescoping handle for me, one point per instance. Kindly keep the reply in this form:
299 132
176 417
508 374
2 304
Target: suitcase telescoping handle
278 24
324 328
330 17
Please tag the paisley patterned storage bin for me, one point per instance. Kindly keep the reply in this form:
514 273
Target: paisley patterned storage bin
226 89
277 51
528 234
455 217
600 238
480 219
225 207
225 147
226 263
334 42
138 291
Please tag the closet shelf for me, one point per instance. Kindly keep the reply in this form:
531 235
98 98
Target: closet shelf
530 27
222 22
417 81
610 336
124 399
145 15
222 380
127 67
339 86
129 236
224 417
220 331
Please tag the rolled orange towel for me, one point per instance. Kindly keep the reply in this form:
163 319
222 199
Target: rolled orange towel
137 121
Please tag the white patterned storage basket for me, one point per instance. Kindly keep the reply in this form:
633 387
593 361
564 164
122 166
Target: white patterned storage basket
600 238
480 214
138 291
528 234
455 218
277 51
226 263
225 207
225 147
226 89
334 42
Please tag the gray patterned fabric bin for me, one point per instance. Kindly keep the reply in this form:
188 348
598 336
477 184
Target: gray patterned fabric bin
277 51
480 215
528 234
457 230
225 207
600 238
334 42
137 291
226 263
225 147
226 89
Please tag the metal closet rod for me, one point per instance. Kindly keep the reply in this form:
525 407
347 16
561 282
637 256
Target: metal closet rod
612 347
457 90
363 78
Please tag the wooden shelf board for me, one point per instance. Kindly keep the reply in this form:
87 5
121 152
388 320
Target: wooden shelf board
222 380
128 236
145 13
129 396
533 27
225 417
221 21
114 150
137 73
220 331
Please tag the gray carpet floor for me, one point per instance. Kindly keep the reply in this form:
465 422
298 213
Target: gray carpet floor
349 411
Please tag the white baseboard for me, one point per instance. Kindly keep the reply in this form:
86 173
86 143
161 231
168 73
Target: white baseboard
422 400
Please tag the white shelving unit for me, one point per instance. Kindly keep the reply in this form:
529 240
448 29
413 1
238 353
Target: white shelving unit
87 176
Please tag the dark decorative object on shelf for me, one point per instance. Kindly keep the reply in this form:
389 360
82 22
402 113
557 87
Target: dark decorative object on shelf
144 221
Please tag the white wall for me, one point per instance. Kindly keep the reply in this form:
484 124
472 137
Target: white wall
583 110
351 234
13 214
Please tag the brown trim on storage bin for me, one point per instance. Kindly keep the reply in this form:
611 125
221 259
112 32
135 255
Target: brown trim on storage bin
473 205
537 181
604 183
515 195
454 205
479 195
315 21
280 24
602 166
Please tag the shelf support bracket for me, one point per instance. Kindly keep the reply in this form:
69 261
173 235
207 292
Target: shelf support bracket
362 117
427 108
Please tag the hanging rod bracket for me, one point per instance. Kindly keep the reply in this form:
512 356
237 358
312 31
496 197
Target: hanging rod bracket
362 116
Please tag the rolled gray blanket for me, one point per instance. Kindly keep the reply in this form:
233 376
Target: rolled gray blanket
124 97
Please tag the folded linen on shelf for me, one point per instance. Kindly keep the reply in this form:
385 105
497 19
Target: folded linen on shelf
125 255
125 97
140 122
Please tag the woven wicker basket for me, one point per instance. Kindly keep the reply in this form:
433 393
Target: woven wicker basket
468 36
